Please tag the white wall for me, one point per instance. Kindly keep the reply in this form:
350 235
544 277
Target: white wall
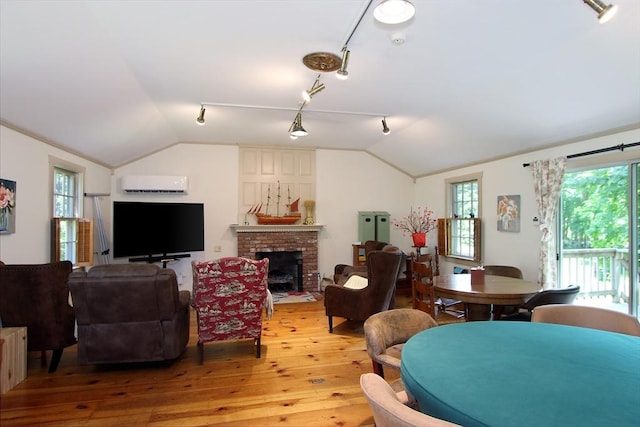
26 161
508 176
347 182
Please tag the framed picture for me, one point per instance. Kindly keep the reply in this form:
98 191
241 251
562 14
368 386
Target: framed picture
509 213
7 206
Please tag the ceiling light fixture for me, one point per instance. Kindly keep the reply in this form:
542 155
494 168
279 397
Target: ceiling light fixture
296 128
605 12
385 128
394 11
342 73
317 87
200 118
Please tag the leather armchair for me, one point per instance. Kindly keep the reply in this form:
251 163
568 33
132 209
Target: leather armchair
129 313
341 272
358 304
37 296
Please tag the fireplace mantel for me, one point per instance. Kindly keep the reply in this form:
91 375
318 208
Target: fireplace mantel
274 228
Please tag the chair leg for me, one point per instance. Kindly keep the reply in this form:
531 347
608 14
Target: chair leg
200 353
55 360
377 368
43 358
330 324
258 348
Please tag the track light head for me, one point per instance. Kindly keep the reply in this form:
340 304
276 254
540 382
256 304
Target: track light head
296 128
200 119
308 94
385 128
394 11
605 12
342 73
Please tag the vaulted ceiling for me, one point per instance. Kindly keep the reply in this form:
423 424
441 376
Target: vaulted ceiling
473 80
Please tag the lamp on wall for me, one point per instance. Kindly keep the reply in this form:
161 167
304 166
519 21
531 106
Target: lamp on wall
296 128
605 12
342 73
317 87
200 118
385 128
394 11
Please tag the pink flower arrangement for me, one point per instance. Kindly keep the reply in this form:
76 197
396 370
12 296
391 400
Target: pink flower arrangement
418 221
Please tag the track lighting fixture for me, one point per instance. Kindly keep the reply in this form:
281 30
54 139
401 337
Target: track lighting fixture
200 118
605 12
342 73
394 11
296 127
317 87
385 128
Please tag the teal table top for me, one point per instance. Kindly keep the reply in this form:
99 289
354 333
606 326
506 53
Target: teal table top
524 374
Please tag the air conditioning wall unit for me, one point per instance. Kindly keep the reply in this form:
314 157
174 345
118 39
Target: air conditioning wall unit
154 184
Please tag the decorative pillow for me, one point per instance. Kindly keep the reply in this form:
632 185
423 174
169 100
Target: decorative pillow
356 282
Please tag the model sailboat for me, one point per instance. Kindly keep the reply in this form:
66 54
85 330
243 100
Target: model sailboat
290 217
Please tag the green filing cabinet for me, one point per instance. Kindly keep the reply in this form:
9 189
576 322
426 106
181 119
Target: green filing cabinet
373 225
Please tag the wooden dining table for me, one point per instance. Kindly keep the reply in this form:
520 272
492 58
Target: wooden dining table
480 300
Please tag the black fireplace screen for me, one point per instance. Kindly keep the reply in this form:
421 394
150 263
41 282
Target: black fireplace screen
285 270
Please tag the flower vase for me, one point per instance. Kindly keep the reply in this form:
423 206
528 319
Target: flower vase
4 219
419 239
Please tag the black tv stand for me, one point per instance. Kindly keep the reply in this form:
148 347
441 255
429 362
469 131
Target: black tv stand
164 259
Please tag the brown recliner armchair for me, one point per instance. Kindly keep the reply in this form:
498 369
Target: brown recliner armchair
358 304
341 272
129 313
37 296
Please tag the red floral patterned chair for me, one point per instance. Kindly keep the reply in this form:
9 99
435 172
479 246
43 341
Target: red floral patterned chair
229 295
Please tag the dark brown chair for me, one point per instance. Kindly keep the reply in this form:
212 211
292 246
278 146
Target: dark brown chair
129 313
504 271
358 304
341 272
37 296
548 296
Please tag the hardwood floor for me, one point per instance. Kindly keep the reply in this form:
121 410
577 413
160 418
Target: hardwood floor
305 377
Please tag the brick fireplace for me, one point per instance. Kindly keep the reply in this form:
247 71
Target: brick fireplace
253 239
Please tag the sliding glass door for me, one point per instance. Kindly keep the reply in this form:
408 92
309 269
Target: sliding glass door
599 225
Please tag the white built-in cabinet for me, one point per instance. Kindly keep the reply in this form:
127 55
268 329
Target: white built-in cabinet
264 170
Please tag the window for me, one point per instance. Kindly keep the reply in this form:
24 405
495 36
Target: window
459 234
72 236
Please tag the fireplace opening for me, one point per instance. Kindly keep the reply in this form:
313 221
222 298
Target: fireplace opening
285 270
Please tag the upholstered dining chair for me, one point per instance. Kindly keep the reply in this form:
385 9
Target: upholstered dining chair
548 296
391 408
587 317
505 271
386 332
229 295
378 295
37 296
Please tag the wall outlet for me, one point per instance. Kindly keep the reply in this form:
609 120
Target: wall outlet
217 248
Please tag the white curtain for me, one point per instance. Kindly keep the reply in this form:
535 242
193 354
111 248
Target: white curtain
548 176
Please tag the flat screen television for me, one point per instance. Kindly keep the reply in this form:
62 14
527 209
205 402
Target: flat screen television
153 231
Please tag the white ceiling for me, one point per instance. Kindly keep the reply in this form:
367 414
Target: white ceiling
474 80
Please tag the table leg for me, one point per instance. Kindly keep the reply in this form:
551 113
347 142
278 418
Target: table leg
474 312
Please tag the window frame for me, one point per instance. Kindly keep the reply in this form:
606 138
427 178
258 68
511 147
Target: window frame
449 229
71 235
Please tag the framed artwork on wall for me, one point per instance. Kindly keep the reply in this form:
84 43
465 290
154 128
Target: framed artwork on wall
7 206
509 213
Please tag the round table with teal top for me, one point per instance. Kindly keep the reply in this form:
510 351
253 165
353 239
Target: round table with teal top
524 374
